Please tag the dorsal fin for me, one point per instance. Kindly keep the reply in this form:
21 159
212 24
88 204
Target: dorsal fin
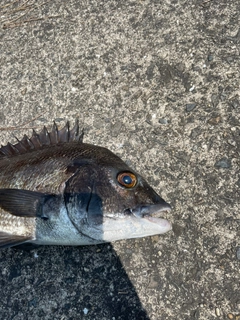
42 139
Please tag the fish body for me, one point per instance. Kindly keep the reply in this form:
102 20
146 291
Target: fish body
57 190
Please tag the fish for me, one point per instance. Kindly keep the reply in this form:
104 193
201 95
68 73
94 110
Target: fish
57 190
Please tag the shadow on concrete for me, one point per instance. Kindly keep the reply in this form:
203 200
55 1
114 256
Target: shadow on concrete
68 283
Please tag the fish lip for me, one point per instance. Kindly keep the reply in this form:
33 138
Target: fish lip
148 210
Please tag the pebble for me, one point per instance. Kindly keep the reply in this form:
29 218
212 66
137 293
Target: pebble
238 253
163 121
85 311
215 120
223 163
210 57
217 311
233 317
190 106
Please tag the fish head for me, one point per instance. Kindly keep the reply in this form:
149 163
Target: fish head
106 200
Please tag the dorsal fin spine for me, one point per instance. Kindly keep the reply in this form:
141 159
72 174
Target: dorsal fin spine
55 133
43 139
68 131
35 138
46 134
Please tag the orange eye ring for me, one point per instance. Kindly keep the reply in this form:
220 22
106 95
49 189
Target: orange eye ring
127 179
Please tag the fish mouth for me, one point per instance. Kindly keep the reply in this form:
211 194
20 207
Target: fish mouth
153 214
148 211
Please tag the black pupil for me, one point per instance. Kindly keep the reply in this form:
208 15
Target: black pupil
127 179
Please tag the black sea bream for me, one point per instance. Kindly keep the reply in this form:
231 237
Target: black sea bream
57 190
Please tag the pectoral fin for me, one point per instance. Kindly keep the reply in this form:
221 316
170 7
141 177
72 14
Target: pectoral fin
8 240
23 203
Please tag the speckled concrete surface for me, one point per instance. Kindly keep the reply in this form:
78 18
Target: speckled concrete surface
158 84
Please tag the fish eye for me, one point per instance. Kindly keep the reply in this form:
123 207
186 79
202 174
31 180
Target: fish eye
127 179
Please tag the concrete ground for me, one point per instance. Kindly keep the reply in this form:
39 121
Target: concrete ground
156 82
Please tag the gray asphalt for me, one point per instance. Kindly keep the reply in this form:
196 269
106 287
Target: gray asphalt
158 84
